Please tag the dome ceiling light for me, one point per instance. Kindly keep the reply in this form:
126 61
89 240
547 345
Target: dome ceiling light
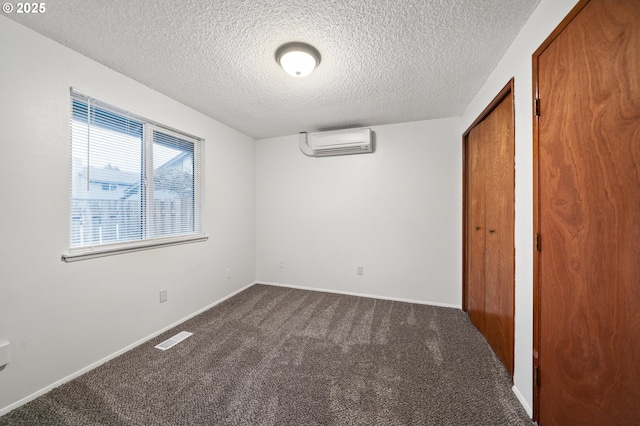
298 59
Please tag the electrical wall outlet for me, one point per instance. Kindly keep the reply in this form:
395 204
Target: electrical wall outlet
360 270
163 296
281 264
228 273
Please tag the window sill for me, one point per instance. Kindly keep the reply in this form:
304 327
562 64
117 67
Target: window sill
86 253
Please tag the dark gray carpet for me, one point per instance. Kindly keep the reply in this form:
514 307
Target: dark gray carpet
273 356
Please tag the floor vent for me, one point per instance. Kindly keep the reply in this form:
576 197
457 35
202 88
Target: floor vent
171 342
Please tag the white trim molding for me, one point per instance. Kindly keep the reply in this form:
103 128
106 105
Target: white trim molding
90 367
522 400
371 296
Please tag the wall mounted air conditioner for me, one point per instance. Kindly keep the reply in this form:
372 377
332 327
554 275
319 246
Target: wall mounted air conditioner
336 142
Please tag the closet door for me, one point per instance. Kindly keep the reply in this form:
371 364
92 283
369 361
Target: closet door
587 148
489 220
499 258
476 227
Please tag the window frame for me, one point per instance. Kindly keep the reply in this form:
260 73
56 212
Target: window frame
147 241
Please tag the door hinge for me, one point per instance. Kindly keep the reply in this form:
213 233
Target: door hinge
538 242
536 376
536 107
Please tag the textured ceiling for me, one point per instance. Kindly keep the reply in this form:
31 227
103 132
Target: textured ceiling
383 61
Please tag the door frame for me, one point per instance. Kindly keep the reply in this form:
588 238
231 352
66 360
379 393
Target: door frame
536 203
506 91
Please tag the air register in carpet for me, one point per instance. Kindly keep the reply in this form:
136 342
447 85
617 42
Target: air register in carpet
172 341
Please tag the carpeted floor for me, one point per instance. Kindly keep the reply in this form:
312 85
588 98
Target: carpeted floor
279 356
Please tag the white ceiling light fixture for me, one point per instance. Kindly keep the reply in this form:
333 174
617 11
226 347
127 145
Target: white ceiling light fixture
298 59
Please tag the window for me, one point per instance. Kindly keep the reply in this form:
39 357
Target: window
109 186
134 184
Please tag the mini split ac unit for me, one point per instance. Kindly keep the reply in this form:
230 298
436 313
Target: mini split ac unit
336 142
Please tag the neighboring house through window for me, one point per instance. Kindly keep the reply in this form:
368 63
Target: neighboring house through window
134 183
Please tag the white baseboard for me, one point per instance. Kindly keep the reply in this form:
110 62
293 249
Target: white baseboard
523 401
90 367
372 296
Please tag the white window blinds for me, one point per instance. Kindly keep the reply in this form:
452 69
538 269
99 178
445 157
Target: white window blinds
134 183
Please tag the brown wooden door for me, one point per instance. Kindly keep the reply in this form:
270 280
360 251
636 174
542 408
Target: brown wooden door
500 256
476 226
587 141
489 210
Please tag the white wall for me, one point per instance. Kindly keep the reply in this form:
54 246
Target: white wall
517 63
396 212
61 318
